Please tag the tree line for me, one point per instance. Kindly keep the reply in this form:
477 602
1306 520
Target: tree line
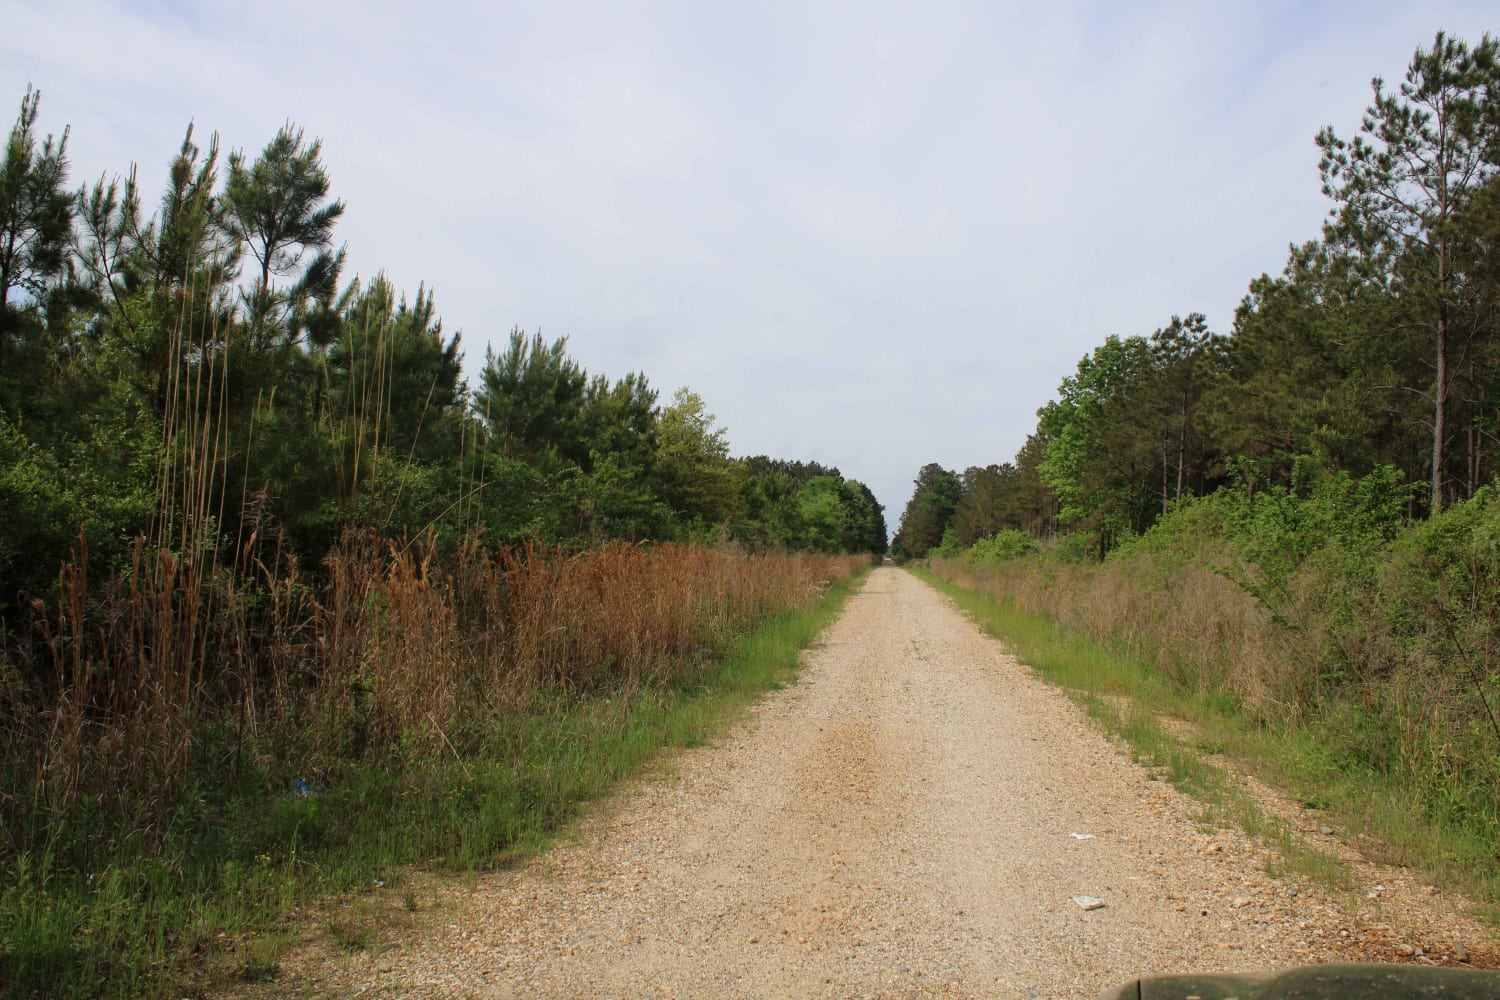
1376 350
202 372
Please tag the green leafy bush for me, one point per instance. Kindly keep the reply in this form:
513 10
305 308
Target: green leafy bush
1279 528
1003 545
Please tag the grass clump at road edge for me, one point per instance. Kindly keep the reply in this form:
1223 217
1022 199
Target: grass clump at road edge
1345 653
1125 697
219 901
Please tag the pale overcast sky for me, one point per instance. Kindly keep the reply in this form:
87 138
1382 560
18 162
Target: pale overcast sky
872 234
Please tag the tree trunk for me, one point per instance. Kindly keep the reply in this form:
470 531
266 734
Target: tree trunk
1166 463
1440 390
1471 477
1474 464
10 255
1182 445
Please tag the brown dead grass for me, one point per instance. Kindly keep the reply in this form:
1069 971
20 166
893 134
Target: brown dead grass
391 642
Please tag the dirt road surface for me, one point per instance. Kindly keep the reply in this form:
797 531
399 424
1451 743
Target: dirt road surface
900 823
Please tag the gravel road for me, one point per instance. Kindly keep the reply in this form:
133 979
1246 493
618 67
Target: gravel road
900 823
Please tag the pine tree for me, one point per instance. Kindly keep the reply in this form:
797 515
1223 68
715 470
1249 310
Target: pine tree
36 214
277 209
1425 149
929 512
530 397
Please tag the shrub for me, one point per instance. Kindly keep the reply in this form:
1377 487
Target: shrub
1316 609
1003 545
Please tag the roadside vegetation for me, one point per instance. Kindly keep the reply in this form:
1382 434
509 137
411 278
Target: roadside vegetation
1290 534
286 604
1349 659
454 721
1130 700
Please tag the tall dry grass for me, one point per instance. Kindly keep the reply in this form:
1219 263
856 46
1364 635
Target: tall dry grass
391 645
1383 660
1188 620
211 747
212 648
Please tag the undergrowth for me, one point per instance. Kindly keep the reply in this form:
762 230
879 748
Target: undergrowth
1353 675
1350 656
1126 698
129 896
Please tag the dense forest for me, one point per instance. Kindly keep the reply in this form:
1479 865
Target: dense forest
1376 351
214 352
1294 528
262 535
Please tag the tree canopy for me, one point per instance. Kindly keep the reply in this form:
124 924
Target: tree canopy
1376 348
205 374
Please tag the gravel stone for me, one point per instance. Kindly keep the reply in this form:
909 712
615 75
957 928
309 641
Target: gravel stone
895 825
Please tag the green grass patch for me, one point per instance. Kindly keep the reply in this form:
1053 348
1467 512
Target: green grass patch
211 902
1314 760
1127 698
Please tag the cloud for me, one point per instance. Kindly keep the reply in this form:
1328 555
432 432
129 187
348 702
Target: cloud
873 234
849 221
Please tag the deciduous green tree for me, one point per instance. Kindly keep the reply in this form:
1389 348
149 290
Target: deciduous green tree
865 526
825 521
1097 461
697 480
